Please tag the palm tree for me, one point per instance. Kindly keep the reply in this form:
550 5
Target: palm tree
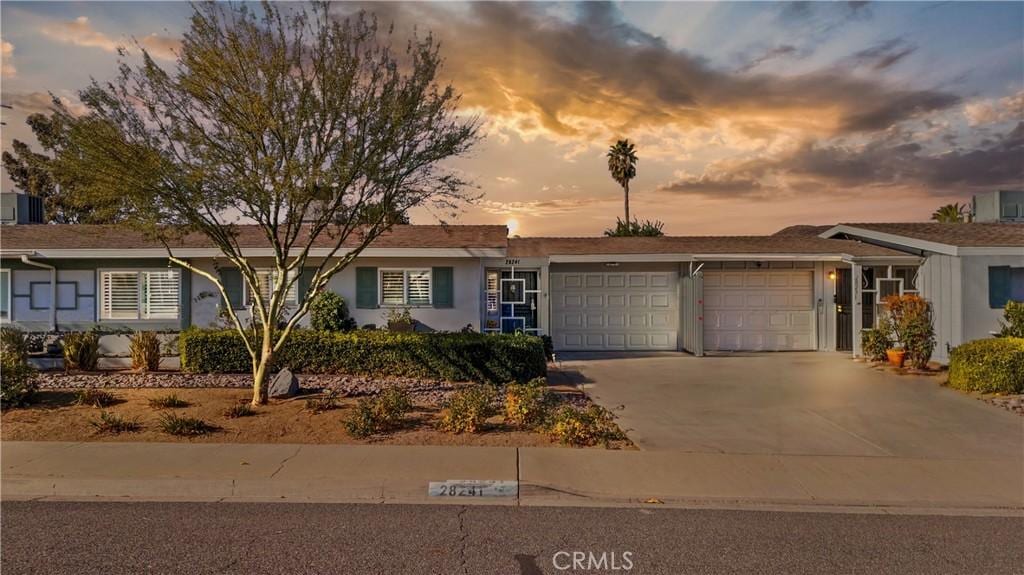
622 165
954 213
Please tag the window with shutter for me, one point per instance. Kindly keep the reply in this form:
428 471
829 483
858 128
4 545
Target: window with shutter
5 294
268 278
405 287
140 294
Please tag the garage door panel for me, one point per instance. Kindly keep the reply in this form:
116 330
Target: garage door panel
758 310
615 311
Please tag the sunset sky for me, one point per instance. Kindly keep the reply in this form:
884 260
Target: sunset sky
747 117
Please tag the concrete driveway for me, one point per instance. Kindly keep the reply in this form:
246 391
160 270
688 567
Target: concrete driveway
793 404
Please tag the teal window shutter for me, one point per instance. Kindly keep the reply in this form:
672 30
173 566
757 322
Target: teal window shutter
444 287
305 280
232 280
998 286
366 288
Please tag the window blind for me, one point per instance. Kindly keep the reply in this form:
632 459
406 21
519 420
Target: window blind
419 287
120 294
392 287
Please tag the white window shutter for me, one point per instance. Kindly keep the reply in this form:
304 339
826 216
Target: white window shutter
160 299
119 292
392 287
419 287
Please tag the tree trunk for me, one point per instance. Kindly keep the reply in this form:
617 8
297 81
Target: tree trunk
626 188
259 375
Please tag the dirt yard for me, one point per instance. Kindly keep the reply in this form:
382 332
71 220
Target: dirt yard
54 416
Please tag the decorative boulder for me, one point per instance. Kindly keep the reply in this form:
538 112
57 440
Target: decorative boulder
284 384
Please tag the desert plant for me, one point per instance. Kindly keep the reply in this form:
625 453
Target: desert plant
168 401
95 397
910 319
379 414
17 381
14 343
636 228
468 409
329 312
113 423
1013 320
582 427
528 405
184 426
993 365
322 403
81 350
144 348
241 409
874 343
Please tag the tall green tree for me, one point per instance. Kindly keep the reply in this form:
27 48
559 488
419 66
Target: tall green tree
37 174
622 166
285 118
955 213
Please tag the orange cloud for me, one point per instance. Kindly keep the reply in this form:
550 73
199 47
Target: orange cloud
6 52
80 32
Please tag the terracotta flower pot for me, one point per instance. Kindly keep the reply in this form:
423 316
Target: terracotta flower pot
896 356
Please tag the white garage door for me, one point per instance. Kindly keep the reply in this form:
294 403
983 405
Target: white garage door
614 311
758 310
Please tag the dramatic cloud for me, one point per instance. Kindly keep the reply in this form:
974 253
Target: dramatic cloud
80 32
774 53
539 208
40 103
1010 108
595 76
884 55
7 69
815 167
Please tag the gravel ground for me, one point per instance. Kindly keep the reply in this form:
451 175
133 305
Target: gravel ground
1013 402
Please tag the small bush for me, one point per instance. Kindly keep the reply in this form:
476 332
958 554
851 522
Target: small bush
528 405
477 357
1013 314
329 312
590 426
14 343
988 365
379 414
169 401
468 409
81 350
95 397
114 423
184 426
323 403
144 348
874 343
240 409
17 381
910 318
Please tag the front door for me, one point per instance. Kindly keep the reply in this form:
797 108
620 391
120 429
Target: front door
512 301
844 310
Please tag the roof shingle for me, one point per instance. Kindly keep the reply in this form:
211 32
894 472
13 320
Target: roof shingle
960 235
797 244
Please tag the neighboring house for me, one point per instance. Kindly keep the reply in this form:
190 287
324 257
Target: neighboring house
969 272
998 206
804 288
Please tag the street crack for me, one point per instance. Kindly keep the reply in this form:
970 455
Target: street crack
285 460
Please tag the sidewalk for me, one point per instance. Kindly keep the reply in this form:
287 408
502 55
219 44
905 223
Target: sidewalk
547 476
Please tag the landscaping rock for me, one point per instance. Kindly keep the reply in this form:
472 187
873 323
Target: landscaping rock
284 384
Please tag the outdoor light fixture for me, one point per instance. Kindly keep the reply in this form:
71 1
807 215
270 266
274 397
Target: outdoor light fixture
612 264
832 275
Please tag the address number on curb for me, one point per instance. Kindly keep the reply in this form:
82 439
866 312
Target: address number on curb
473 488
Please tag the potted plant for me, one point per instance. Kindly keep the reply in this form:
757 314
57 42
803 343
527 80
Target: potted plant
400 319
909 319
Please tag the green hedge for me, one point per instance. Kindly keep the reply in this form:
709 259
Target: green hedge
988 365
449 356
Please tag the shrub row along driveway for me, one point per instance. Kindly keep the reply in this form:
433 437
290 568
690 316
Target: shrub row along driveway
793 404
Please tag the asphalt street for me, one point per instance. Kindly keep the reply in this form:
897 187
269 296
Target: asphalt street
283 538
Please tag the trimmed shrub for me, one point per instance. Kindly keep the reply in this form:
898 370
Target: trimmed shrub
1013 314
475 357
528 405
144 348
874 343
988 365
14 343
582 427
468 409
329 312
17 381
379 414
81 350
